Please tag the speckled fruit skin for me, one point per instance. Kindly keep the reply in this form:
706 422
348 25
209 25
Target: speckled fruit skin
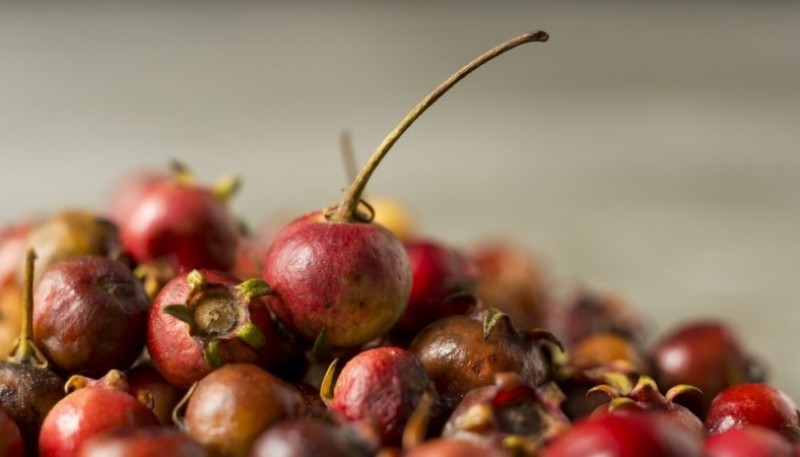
88 412
186 225
351 279
178 356
90 315
751 404
385 384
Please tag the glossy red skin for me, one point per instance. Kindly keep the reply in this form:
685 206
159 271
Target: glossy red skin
621 435
186 225
384 384
751 404
178 356
438 272
750 441
88 412
10 439
90 315
142 442
703 354
351 279
129 191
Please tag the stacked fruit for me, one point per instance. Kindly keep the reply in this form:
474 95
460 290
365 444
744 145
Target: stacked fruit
163 327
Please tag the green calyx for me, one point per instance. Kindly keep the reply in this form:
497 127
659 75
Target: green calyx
254 288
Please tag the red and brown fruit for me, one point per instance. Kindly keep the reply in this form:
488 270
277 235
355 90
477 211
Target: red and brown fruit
203 319
90 315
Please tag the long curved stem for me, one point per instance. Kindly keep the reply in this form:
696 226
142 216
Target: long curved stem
346 211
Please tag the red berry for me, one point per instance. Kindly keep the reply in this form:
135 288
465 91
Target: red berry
751 404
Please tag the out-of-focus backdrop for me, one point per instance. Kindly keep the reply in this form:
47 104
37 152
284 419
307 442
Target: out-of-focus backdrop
647 149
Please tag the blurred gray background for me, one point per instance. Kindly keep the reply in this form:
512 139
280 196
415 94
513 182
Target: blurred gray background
647 149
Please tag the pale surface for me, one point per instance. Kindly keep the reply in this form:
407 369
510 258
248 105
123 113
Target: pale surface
648 150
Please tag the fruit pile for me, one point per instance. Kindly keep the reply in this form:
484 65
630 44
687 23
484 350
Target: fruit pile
163 327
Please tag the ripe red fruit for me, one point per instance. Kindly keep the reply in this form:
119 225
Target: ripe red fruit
383 384
753 404
750 441
622 435
442 284
350 279
90 315
95 407
334 270
184 224
704 354
205 318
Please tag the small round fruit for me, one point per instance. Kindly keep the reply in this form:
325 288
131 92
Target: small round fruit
95 407
350 279
383 384
90 315
234 404
752 404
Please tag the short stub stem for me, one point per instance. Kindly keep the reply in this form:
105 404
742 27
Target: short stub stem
347 210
